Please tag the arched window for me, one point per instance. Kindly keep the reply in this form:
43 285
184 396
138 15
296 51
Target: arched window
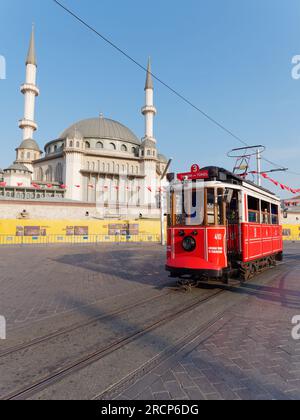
88 166
71 144
40 174
112 146
28 155
87 145
117 169
49 173
123 148
93 166
99 145
55 148
78 144
133 150
149 152
59 173
22 155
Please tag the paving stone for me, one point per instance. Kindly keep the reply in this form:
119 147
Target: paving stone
175 390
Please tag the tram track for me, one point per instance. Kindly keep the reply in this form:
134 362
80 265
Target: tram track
24 346
86 360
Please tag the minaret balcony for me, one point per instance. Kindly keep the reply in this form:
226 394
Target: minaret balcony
27 87
28 123
148 109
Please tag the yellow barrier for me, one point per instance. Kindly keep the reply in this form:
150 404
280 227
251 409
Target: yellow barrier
291 232
26 232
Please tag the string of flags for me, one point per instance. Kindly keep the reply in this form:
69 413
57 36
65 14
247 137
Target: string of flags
278 184
91 186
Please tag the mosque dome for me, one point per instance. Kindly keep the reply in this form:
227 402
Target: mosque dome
102 128
29 144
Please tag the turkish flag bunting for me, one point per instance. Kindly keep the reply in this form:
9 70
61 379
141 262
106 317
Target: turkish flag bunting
149 189
20 184
77 186
49 185
63 187
2 184
36 186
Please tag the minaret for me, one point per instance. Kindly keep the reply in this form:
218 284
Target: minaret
30 91
149 110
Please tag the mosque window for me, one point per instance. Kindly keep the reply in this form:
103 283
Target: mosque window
87 145
99 145
148 153
55 148
71 144
22 155
123 148
28 155
78 144
133 150
112 146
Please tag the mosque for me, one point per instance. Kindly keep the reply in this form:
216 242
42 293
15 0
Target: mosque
97 160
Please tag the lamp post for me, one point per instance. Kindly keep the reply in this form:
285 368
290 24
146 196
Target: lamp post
162 204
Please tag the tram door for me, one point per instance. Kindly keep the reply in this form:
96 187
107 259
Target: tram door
233 220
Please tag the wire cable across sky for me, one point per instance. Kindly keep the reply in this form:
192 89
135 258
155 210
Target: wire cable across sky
166 85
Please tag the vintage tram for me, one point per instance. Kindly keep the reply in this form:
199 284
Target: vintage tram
220 224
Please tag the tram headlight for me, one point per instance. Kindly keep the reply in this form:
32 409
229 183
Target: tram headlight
189 244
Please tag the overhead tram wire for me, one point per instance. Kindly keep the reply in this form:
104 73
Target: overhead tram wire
175 92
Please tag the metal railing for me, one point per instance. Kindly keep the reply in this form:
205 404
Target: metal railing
11 240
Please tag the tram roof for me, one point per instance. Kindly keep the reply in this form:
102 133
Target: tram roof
224 175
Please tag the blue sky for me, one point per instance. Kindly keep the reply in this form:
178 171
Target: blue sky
231 58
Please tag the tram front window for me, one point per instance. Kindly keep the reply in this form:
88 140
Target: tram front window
195 206
187 205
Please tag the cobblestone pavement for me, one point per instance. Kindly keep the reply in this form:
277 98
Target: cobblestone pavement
41 282
252 357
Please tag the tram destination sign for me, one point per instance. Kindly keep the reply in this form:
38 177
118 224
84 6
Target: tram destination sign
195 173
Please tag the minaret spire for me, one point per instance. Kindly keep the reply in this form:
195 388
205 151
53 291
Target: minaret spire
30 92
31 56
149 80
149 110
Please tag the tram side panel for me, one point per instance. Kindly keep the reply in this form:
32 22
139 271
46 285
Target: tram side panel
259 241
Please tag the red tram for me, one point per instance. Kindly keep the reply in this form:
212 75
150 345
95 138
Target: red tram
220 224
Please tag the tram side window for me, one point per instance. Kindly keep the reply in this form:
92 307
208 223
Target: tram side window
253 210
216 207
265 212
275 214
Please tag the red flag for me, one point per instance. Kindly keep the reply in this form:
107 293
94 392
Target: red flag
63 187
20 184
36 186
49 185
149 189
265 176
274 182
3 184
77 186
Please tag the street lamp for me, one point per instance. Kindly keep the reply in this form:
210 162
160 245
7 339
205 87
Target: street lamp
162 204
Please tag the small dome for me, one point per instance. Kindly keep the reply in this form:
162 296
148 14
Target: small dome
29 144
162 158
102 128
149 144
17 167
75 134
